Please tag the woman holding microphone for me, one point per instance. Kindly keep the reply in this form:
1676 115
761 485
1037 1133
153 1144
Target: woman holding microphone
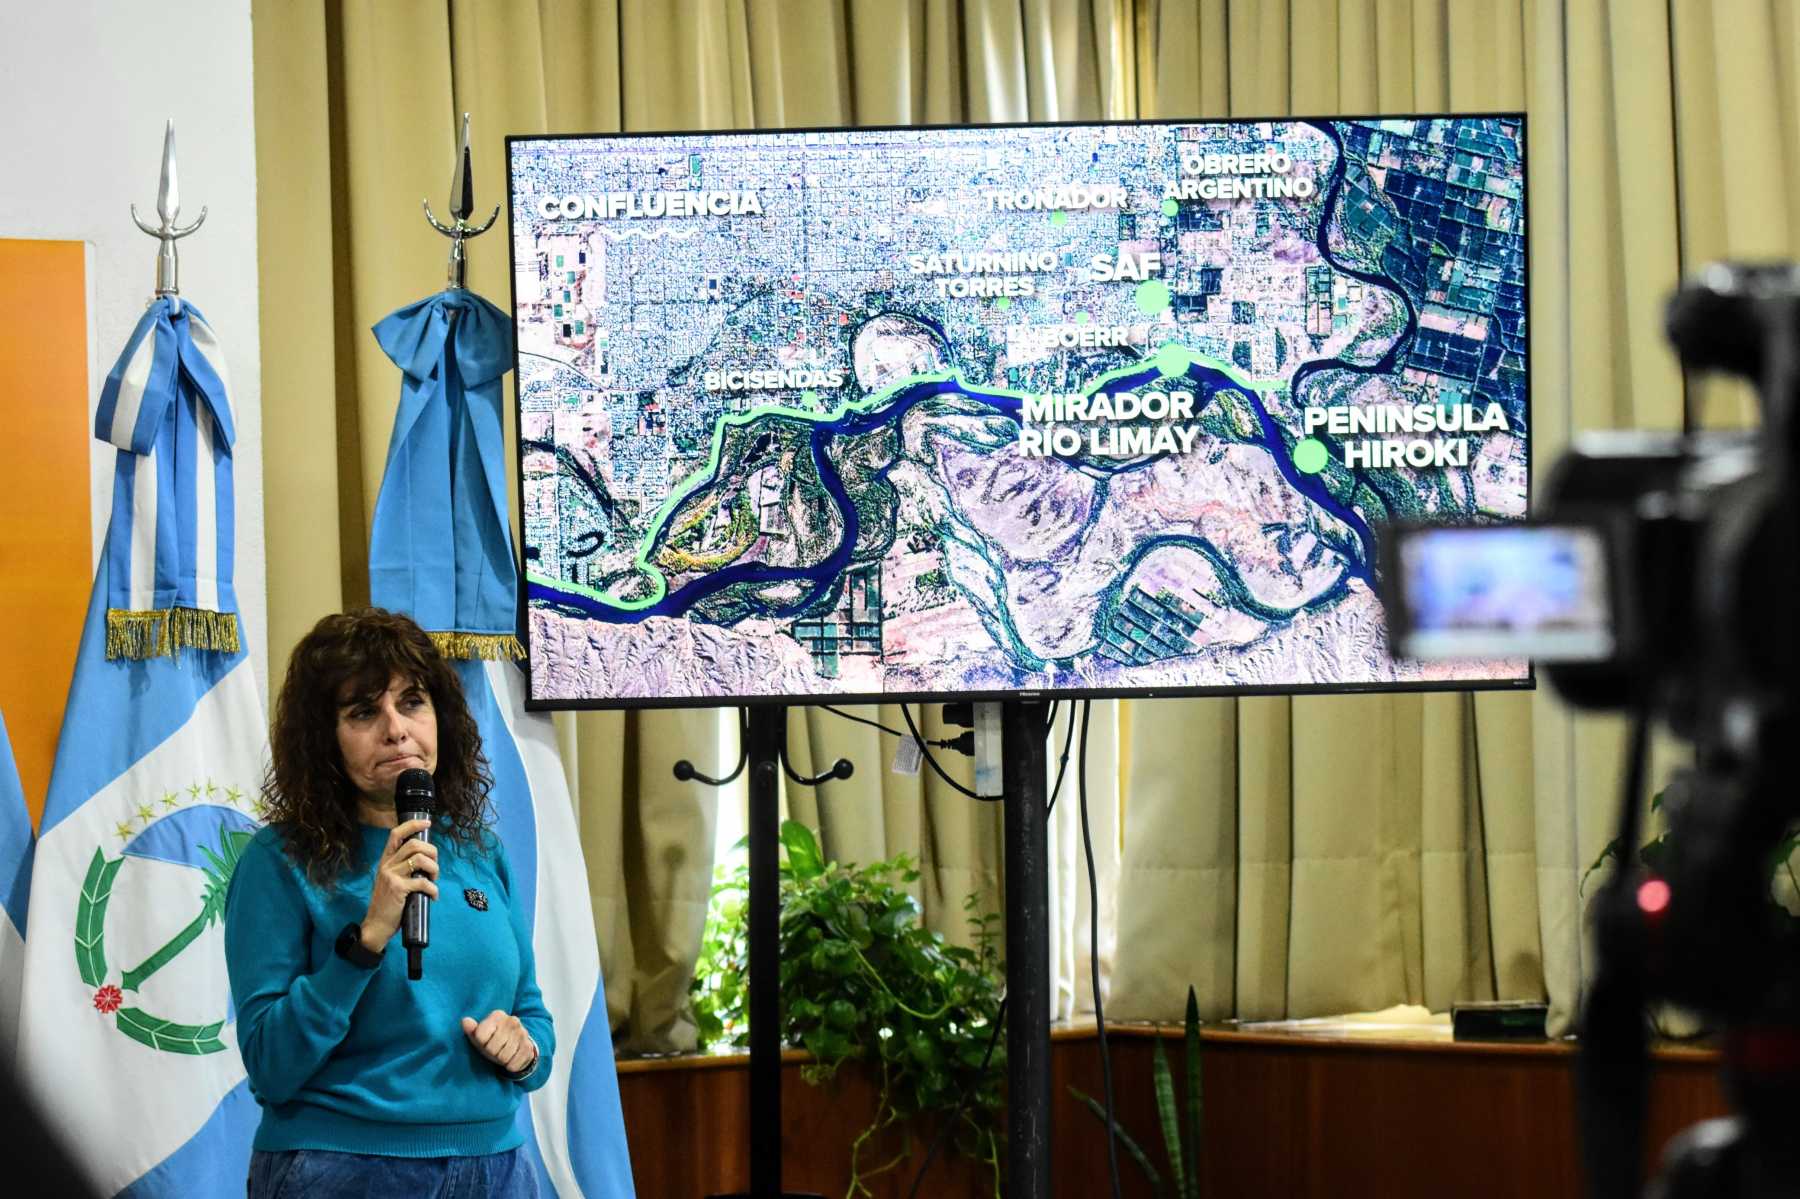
372 1083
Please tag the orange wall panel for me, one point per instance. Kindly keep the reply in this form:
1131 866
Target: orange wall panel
45 568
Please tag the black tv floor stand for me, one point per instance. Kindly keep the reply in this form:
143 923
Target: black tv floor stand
1027 944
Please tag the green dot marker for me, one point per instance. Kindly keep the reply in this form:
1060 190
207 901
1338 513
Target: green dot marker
1170 207
1172 359
1003 303
810 397
1081 318
1309 456
1059 218
1152 296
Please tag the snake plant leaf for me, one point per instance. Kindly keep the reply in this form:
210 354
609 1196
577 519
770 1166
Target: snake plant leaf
1195 1135
1131 1146
1168 1117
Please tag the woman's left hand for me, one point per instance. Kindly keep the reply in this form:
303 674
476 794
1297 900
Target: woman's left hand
501 1039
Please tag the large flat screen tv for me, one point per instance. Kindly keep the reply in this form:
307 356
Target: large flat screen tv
1110 410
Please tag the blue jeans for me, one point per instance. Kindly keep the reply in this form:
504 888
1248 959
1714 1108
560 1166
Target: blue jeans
325 1174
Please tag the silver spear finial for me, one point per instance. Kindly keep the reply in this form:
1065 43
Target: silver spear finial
462 206
168 208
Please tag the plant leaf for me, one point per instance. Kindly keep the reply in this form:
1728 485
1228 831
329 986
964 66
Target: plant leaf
1195 1135
1778 860
1611 851
1168 1117
803 855
1131 1146
863 981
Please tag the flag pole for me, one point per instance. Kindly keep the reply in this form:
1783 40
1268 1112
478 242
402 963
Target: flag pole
462 206
168 209
441 520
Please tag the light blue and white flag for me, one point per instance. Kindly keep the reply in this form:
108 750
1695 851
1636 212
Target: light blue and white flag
16 844
126 1031
441 551
170 543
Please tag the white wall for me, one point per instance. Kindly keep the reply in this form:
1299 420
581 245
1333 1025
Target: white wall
85 86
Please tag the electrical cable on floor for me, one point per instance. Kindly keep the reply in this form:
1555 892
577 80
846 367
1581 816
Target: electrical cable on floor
1087 845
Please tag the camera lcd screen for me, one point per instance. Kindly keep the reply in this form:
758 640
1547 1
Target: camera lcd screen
1102 409
1536 591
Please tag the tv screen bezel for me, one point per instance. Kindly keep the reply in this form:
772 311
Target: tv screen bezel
535 703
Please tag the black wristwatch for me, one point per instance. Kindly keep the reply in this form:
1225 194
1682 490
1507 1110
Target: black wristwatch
352 950
530 1066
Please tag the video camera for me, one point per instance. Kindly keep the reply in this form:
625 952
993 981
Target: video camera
1658 578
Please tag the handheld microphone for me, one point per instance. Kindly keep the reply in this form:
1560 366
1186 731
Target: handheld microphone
415 798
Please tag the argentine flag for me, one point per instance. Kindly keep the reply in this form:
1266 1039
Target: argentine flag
15 889
441 551
126 1031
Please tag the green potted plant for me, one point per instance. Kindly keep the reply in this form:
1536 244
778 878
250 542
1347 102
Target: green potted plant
863 981
1656 853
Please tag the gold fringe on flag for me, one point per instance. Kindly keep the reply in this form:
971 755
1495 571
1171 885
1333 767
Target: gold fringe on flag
137 634
489 647
161 634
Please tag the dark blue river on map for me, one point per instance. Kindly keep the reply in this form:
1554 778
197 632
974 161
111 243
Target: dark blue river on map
821 577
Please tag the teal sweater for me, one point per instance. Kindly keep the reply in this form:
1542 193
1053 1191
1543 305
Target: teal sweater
366 1061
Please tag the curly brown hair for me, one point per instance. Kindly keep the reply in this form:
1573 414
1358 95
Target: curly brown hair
307 793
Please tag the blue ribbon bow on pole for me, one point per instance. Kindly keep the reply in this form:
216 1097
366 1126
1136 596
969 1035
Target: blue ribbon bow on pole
441 548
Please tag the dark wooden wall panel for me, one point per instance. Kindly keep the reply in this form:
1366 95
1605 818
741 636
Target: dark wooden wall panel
1309 1117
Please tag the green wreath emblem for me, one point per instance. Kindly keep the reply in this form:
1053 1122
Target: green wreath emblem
90 949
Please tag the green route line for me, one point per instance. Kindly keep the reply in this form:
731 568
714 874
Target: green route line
1171 359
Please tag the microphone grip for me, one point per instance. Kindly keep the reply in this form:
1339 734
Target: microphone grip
415 926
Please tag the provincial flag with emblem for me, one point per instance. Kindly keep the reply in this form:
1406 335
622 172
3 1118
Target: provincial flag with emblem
126 1029
441 551
16 844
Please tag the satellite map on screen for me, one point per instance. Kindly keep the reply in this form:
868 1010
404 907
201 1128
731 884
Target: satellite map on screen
943 411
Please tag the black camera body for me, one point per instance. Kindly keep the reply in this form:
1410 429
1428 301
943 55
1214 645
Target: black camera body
1690 570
